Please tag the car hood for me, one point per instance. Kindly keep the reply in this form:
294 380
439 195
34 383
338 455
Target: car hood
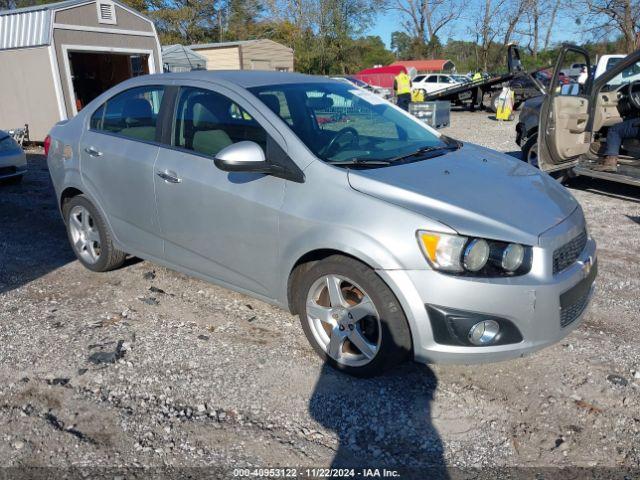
475 191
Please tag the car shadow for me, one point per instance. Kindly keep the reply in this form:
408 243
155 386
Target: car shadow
606 188
382 422
33 240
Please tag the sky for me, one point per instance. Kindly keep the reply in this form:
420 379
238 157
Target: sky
388 22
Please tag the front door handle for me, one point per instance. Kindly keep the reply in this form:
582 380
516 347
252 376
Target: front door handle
169 176
93 152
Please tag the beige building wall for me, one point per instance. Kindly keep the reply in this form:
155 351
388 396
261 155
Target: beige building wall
27 92
227 58
266 55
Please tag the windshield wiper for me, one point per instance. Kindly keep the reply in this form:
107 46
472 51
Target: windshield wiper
360 162
424 150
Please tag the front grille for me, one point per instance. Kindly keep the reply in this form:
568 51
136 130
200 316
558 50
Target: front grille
569 313
567 254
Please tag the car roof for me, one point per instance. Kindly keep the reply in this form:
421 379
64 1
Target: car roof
244 78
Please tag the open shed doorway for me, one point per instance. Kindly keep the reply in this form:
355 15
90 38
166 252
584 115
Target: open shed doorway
92 73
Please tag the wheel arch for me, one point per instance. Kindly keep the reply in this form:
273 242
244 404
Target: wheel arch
67 194
305 262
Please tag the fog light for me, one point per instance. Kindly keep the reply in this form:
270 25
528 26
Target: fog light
484 333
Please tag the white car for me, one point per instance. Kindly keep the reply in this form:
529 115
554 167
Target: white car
13 161
434 81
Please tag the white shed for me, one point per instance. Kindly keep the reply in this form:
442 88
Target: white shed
58 57
178 58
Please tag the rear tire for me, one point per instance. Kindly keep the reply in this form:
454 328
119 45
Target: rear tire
90 237
364 332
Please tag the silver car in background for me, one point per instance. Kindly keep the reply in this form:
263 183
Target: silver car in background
13 161
388 239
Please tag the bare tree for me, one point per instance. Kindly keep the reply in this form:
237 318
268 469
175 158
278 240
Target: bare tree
424 19
607 17
550 23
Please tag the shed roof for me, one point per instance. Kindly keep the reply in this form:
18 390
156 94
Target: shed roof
181 50
238 43
436 65
31 26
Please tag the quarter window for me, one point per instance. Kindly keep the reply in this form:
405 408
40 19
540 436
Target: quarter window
132 113
206 122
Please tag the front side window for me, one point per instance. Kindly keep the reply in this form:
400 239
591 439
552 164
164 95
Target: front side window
132 113
206 122
341 123
573 75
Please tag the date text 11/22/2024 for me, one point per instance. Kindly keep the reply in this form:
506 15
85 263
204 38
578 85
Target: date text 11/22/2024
316 473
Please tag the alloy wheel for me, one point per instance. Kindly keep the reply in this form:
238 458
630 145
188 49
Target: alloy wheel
84 234
344 320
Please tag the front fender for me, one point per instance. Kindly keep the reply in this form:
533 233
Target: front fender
349 242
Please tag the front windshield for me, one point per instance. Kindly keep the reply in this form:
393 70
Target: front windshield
628 75
340 123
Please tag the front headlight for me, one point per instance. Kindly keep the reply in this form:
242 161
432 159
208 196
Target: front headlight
474 256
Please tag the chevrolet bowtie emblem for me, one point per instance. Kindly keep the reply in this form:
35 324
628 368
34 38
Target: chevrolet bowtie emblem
586 266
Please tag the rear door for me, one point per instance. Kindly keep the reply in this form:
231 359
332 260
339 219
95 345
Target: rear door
118 152
564 116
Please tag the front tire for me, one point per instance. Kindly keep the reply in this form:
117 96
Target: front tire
90 237
530 155
530 151
351 317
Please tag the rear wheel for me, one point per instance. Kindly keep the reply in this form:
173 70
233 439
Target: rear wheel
351 317
89 236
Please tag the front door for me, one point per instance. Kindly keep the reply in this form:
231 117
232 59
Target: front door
118 152
218 224
564 116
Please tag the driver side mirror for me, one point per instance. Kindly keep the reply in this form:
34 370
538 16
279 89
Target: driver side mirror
243 156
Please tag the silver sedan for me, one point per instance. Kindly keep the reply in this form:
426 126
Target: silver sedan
388 239
13 161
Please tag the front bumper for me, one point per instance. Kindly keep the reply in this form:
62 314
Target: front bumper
533 303
12 164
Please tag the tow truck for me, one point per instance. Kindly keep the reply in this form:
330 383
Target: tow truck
473 95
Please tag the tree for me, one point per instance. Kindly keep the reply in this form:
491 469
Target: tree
613 17
242 19
425 19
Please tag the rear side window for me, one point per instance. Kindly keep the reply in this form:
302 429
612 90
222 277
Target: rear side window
132 113
432 79
206 122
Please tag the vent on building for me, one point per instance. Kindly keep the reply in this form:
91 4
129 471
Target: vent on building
106 12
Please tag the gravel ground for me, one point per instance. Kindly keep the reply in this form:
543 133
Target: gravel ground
147 367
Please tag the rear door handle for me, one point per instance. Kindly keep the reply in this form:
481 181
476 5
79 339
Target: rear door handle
169 176
93 152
